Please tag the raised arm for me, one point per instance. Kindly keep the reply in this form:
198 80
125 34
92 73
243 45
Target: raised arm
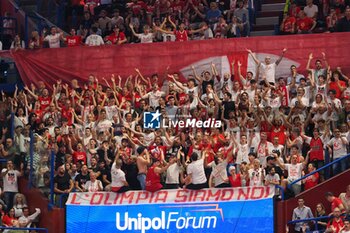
309 61
253 56
281 57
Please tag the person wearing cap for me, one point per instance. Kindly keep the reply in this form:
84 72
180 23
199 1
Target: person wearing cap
268 68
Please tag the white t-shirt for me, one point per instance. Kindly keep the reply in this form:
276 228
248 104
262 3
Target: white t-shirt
294 172
118 177
196 169
339 149
94 40
93 186
145 38
154 97
104 125
255 177
219 173
242 153
54 40
274 178
10 180
269 71
310 11
172 174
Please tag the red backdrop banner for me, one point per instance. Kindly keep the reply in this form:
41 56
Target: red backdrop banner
50 65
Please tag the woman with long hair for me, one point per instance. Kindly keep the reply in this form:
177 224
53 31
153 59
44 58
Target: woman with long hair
19 202
321 212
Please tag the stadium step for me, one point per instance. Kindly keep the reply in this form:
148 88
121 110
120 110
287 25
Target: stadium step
273 1
263 33
272 7
266 21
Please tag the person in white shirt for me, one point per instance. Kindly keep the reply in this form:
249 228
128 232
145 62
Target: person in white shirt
346 228
173 172
311 10
294 172
10 182
339 145
268 68
119 183
195 171
256 174
146 36
54 38
93 185
26 220
103 123
94 39
154 96
0 45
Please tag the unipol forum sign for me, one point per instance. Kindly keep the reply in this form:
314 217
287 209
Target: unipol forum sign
227 210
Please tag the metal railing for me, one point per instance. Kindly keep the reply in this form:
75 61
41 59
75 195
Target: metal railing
25 229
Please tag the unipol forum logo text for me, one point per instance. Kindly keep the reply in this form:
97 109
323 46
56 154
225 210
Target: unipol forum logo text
154 120
165 221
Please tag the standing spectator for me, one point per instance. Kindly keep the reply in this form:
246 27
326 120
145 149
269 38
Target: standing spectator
27 219
346 228
94 39
336 203
343 24
345 198
213 14
54 38
256 174
339 150
10 181
119 183
17 43
234 178
268 68
117 37
142 161
63 186
311 181
243 15
73 39
146 36
321 212
301 212
153 175
174 170
195 171
104 22
272 179
316 148
82 178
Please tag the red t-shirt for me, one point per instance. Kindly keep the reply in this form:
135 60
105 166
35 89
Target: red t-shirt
336 203
178 6
316 152
44 102
334 86
79 156
181 36
278 132
235 182
136 8
153 180
113 38
337 224
311 181
305 24
288 24
73 41
68 113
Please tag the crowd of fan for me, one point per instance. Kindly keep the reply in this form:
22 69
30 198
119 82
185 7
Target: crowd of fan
320 16
336 221
273 130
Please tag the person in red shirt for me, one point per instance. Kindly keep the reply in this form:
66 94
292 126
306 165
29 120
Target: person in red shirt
234 178
311 181
73 39
153 175
79 154
305 24
337 85
336 224
117 37
43 99
335 202
288 24
136 6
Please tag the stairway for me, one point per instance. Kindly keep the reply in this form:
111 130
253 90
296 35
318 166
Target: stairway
268 17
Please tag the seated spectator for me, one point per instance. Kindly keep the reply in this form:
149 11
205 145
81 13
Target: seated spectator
93 184
73 39
9 219
332 20
117 37
234 28
17 43
294 10
305 24
345 198
311 10
35 41
288 25
346 228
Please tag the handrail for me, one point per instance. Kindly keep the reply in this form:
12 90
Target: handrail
26 228
52 177
319 169
281 191
309 219
31 157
